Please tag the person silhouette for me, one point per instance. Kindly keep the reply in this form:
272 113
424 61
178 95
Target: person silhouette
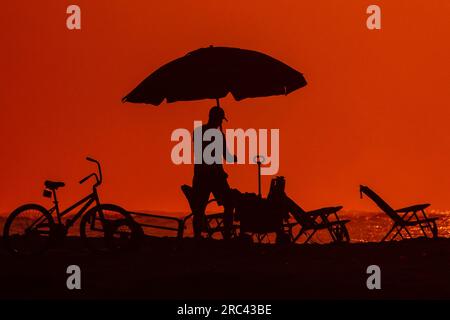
212 178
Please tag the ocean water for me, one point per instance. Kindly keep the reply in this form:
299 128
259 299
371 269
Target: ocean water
363 226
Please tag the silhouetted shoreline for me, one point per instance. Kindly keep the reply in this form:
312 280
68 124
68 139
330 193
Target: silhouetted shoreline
166 269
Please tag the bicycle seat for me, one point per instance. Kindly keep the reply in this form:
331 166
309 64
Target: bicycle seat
53 185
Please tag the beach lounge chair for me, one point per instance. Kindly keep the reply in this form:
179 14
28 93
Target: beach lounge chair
404 218
312 221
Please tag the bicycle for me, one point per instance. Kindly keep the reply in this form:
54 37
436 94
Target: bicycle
32 229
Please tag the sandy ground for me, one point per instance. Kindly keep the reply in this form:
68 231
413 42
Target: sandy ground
166 269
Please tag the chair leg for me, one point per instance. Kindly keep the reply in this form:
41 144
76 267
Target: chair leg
302 230
389 232
310 236
333 236
341 233
422 227
434 229
407 231
399 233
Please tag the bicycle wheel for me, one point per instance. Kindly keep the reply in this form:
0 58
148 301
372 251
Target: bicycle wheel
108 227
28 230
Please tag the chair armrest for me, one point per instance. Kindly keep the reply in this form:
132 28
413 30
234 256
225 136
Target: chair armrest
324 211
417 207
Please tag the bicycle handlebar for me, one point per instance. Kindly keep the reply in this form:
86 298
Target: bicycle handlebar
87 177
98 177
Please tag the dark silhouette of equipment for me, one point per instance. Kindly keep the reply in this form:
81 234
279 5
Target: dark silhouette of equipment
257 217
403 218
31 228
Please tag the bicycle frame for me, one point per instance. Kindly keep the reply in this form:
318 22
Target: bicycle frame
86 202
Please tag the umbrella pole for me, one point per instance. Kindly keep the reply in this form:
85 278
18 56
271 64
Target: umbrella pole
258 162
217 102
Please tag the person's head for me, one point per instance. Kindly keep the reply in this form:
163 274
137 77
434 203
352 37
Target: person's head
216 116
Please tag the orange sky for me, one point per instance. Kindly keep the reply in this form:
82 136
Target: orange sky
376 110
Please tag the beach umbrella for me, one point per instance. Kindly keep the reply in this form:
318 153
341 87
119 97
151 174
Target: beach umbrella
212 73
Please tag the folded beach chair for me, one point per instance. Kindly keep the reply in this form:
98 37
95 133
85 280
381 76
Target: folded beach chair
312 221
404 218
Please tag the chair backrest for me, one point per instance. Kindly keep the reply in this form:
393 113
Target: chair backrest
298 213
383 205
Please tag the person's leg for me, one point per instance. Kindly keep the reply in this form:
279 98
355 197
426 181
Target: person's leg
200 196
200 201
222 192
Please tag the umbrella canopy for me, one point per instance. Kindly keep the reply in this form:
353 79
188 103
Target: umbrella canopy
213 72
